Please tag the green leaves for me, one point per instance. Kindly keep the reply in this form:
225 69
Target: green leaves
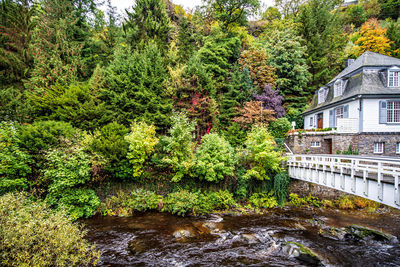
262 156
178 146
142 141
14 162
215 159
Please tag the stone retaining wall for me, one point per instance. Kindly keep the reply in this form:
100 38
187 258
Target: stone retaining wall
300 143
303 188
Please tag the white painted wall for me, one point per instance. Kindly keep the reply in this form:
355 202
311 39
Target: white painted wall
353 113
371 118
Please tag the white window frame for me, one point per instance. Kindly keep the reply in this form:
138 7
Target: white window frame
392 111
398 148
339 113
316 144
379 147
312 121
321 95
394 77
338 88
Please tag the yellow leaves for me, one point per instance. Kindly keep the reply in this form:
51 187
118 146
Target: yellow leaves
372 38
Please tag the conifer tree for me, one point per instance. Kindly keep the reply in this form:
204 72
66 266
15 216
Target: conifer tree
185 40
321 29
148 21
16 27
288 56
136 87
240 90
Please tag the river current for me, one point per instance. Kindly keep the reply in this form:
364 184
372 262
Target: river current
271 239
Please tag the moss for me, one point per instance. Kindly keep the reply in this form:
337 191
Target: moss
364 232
303 249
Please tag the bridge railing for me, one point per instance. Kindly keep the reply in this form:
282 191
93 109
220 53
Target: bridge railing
382 171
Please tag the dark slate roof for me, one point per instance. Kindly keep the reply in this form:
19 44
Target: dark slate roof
368 59
370 81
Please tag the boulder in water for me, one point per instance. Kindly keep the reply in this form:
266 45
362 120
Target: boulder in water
365 233
301 252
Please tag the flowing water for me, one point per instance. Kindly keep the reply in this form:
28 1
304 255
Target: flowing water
160 239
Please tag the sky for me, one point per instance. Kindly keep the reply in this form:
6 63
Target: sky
187 4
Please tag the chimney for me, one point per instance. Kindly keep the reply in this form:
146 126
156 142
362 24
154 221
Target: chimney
349 61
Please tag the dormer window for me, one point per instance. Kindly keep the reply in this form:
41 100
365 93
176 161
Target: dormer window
322 94
338 88
394 77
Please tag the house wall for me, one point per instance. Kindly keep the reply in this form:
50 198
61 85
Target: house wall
371 118
353 113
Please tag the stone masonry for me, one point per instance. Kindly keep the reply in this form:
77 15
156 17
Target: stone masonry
300 143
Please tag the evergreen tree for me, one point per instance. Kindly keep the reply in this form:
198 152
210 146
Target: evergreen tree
185 41
56 54
322 31
217 55
136 87
288 56
148 21
393 33
240 90
16 27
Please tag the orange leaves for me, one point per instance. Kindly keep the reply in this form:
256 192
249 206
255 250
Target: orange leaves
256 60
253 113
372 38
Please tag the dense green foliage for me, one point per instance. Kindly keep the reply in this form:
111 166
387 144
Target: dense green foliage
215 158
167 99
31 234
14 162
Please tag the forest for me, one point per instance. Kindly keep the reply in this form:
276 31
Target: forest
187 108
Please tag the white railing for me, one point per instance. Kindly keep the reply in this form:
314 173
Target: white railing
370 177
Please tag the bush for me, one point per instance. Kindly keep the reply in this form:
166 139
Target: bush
181 203
263 200
142 141
31 234
215 158
68 171
142 200
43 135
262 157
14 162
110 143
124 204
177 149
220 200
309 200
281 187
280 127
77 202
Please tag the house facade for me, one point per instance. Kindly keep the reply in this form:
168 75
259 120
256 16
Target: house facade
358 110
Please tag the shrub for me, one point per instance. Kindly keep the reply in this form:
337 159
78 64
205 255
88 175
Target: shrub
124 204
110 143
142 200
14 162
263 200
43 135
181 203
280 127
68 171
142 141
297 201
177 149
221 200
262 157
281 187
77 202
215 158
345 202
31 234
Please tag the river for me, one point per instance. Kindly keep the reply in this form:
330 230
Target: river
160 239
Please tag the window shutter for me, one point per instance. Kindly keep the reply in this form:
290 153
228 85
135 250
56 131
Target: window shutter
382 112
346 111
331 118
315 121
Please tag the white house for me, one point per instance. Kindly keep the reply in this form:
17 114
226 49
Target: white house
363 103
